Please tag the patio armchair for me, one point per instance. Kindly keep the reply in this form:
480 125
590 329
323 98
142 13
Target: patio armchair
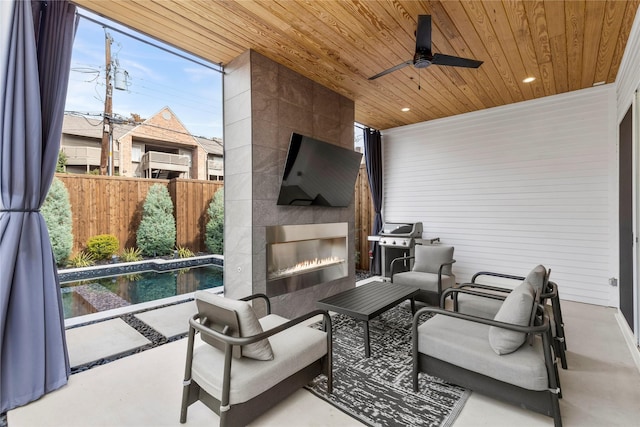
492 356
488 304
431 271
245 365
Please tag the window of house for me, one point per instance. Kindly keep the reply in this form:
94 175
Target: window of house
136 153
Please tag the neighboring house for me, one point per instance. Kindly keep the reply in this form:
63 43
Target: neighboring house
159 147
214 167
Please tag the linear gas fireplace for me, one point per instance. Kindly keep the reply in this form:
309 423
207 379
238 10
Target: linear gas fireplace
300 256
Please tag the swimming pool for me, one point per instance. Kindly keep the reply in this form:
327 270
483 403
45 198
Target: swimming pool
106 293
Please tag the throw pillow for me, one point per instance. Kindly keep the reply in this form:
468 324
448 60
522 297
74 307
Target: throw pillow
515 309
536 277
247 320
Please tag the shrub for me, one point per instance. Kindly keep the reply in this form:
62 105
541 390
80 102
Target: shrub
214 233
131 254
103 246
61 166
83 259
184 252
56 211
157 231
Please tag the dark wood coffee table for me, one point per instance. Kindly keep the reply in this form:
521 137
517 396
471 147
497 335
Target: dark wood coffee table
369 301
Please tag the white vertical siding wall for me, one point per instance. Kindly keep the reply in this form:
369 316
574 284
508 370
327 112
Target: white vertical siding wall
628 78
514 186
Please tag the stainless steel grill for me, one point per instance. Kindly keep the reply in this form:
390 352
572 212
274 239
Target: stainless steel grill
398 240
400 235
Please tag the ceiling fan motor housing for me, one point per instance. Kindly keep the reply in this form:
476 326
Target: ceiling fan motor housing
422 59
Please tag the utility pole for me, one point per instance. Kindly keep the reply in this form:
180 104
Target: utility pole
106 155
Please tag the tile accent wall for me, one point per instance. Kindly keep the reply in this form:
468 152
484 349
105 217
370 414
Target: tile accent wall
263 103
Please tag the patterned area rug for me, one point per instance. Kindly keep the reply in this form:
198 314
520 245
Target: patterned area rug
377 391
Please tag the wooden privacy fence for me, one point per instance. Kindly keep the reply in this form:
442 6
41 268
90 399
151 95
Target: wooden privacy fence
113 205
364 218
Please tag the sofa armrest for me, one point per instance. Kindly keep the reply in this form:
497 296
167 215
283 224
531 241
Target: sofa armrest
440 274
259 296
231 341
550 292
393 264
485 287
470 290
539 329
495 274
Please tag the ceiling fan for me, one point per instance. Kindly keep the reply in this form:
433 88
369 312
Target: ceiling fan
423 56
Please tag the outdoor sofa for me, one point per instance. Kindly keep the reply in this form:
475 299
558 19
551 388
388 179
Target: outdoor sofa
509 357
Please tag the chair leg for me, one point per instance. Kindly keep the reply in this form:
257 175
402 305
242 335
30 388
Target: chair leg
561 352
557 314
555 367
187 382
185 403
555 408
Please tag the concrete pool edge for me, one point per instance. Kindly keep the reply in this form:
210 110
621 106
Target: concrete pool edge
76 321
156 264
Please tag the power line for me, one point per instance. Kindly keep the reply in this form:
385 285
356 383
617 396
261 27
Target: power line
174 102
87 120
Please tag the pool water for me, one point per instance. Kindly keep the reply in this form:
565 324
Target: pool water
106 293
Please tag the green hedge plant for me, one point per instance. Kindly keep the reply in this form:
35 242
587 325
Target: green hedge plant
131 255
56 211
214 233
184 252
157 231
103 246
82 259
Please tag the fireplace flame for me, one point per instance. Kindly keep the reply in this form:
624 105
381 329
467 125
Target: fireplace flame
306 265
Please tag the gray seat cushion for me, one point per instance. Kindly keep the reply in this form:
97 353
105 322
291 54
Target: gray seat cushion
293 349
464 344
424 281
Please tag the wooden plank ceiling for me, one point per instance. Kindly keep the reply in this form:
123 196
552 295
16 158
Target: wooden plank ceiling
566 45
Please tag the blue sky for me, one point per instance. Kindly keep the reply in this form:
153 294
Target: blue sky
156 79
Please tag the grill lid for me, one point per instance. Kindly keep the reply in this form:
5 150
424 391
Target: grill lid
406 229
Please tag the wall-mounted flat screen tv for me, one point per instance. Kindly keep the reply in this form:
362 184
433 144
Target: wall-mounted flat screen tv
318 173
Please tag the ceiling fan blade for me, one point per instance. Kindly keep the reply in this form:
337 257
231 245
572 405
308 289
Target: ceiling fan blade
391 70
423 34
454 61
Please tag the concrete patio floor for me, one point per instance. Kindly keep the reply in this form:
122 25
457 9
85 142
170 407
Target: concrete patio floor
600 388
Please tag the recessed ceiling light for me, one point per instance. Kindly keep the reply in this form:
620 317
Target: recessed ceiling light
405 109
528 80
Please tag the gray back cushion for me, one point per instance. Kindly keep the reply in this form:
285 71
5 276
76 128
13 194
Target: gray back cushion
430 257
515 309
247 321
537 277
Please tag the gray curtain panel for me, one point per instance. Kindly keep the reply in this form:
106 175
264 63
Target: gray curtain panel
373 160
35 72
